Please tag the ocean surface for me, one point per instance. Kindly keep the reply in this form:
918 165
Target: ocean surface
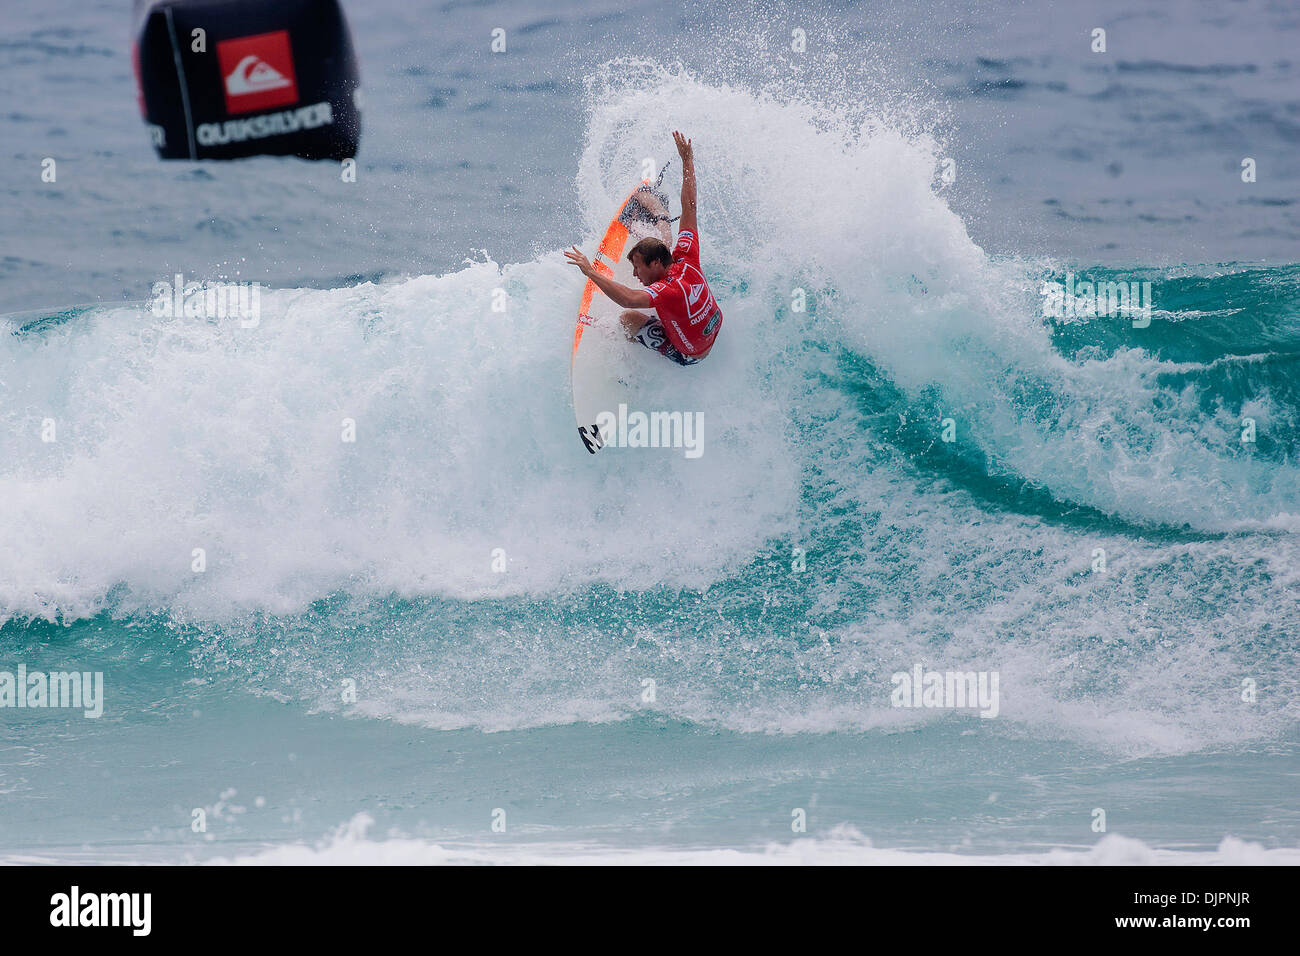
459 638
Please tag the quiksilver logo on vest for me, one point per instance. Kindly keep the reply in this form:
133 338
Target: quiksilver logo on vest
268 124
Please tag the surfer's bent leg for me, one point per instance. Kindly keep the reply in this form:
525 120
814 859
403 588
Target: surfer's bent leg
653 337
633 321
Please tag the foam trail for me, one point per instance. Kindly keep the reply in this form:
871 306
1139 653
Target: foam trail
843 846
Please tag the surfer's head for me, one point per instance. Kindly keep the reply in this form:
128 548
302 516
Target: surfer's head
650 260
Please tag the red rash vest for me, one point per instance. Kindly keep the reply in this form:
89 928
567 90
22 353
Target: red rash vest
683 301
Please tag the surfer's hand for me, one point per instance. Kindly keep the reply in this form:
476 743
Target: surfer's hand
576 258
683 146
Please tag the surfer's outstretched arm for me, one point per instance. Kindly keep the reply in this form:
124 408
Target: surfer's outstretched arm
687 153
624 295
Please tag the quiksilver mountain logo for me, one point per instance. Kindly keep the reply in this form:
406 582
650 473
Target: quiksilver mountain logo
254 75
257 72
75 908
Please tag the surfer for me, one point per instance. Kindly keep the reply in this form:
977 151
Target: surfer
686 320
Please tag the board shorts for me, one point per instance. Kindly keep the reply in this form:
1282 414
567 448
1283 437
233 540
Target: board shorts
653 337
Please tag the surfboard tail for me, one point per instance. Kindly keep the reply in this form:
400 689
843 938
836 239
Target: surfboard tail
591 437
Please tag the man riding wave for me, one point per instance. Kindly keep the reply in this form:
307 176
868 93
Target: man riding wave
686 319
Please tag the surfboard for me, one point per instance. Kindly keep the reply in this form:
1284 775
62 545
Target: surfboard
599 344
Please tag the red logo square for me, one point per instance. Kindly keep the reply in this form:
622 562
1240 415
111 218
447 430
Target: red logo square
257 72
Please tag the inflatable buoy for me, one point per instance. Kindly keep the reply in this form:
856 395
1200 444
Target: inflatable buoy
221 79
